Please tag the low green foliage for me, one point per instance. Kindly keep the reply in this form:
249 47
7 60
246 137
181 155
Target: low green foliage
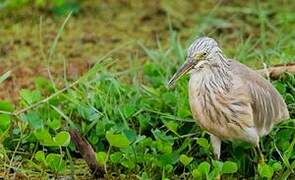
52 161
142 129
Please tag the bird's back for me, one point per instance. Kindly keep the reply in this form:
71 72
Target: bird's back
268 106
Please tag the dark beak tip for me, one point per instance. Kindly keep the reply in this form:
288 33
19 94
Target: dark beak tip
169 85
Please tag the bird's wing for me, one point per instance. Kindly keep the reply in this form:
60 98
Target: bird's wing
268 106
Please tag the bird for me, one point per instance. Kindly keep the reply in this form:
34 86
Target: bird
229 100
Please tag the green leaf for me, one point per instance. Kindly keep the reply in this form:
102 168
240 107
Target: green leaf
197 174
128 163
130 134
277 166
117 140
265 170
88 113
163 146
217 168
54 124
185 160
34 120
168 158
283 137
55 162
101 157
229 167
169 168
6 106
63 138
204 168
172 126
217 165
30 97
44 137
4 122
40 156
203 143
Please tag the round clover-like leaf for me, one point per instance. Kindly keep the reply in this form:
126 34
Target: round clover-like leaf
40 156
204 167
185 160
117 140
265 170
203 142
44 137
229 167
63 138
101 157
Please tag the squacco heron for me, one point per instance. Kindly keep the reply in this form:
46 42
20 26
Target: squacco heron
227 99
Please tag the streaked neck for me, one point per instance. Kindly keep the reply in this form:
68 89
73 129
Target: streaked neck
214 78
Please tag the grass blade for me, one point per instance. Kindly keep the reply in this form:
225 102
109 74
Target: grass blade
5 76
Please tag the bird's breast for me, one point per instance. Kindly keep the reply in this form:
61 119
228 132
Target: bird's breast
223 113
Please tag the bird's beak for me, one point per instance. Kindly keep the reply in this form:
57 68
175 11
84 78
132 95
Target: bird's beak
186 67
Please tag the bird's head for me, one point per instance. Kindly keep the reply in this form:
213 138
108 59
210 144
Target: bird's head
203 51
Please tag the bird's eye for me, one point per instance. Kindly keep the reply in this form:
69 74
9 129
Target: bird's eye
204 53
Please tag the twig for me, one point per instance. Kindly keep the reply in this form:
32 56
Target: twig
87 153
7 112
277 70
